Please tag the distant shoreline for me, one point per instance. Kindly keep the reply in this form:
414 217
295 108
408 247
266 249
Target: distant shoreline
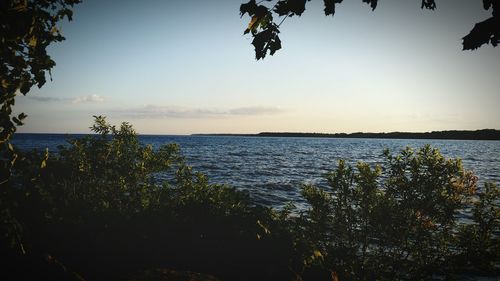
484 134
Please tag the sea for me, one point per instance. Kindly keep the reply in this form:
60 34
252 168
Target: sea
272 170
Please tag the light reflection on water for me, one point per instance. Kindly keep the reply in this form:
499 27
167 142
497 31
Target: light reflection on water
272 170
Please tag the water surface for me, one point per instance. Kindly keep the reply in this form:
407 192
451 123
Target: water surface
273 169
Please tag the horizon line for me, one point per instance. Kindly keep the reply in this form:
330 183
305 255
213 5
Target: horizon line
272 132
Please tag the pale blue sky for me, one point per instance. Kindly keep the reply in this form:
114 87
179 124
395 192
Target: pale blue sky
181 67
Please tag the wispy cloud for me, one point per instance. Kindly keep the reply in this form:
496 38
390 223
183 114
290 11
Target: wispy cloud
154 111
87 99
81 99
44 99
255 110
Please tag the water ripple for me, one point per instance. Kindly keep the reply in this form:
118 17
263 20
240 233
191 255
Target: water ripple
273 170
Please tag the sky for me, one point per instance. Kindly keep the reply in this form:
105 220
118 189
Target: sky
182 67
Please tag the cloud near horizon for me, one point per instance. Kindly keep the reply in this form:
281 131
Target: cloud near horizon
154 111
89 98
81 99
44 99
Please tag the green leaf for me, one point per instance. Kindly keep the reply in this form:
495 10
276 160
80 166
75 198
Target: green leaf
43 164
32 42
317 254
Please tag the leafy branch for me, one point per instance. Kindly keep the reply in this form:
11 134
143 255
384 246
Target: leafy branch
265 31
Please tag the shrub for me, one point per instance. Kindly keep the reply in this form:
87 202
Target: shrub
97 208
402 220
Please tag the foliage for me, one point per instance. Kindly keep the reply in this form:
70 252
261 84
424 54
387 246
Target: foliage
27 28
401 220
265 31
100 208
107 207
479 241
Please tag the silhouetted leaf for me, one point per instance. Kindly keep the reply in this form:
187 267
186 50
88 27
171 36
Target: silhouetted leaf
25 87
487 4
17 121
266 40
274 45
251 24
260 41
253 9
65 13
290 7
262 11
249 8
257 23
428 4
22 116
483 33
330 6
282 8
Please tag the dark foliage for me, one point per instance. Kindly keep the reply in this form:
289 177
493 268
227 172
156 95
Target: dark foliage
486 32
27 28
290 7
263 29
400 221
428 4
98 210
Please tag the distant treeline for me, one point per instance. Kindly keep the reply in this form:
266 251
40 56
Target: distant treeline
485 134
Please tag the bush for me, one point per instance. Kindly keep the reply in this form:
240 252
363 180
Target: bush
97 208
401 220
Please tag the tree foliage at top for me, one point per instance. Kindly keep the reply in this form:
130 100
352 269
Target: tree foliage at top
265 31
27 28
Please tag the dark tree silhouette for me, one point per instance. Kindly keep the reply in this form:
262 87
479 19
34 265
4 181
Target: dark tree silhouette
265 30
27 28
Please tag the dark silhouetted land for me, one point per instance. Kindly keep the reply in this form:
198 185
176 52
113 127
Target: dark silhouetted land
484 134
